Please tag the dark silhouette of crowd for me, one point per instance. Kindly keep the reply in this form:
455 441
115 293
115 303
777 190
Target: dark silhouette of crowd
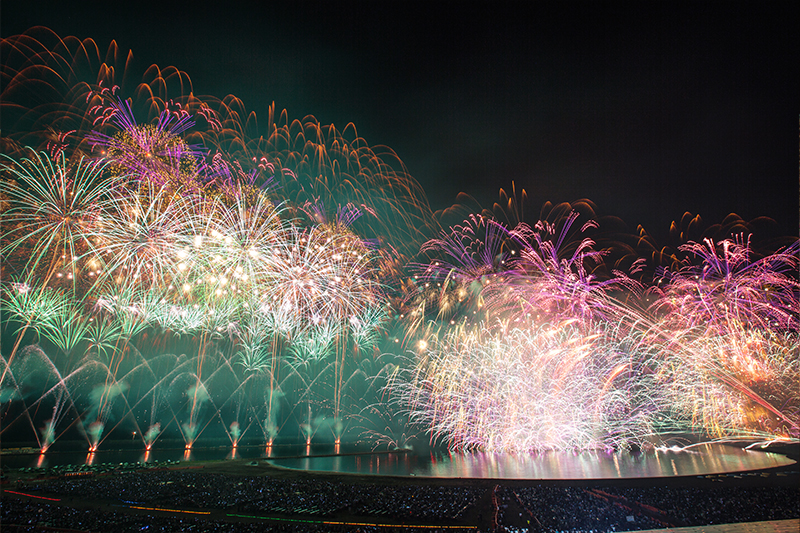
261 494
239 498
416 501
572 509
719 505
551 509
18 515
128 499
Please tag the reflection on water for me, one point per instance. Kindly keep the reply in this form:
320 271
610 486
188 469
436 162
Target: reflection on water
698 460
119 452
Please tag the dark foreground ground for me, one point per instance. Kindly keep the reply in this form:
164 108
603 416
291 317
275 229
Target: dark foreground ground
232 496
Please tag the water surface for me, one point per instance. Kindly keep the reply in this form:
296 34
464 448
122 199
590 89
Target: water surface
698 460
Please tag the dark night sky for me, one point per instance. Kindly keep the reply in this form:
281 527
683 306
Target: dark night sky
648 109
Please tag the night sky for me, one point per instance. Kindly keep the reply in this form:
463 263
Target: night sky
648 109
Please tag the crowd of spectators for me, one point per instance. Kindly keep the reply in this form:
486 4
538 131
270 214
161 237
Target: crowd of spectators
417 501
719 505
573 509
264 503
309 497
27 516
181 488
608 509
237 495
263 494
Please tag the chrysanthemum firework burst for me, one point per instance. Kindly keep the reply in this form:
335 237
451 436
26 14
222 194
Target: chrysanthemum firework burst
322 274
237 243
54 207
140 236
152 154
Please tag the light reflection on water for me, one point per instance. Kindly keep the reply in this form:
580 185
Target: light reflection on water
699 460
703 459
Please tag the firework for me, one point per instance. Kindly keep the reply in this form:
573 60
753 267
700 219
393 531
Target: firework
174 269
708 358
726 287
53 207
